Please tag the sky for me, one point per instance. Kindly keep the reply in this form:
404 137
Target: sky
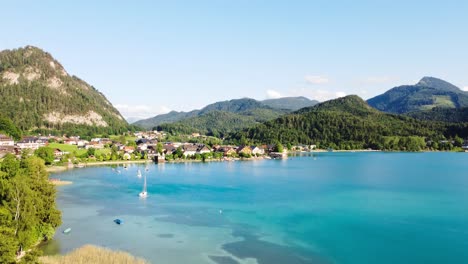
151 57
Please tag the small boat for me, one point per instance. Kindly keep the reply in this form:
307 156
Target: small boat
67 231
118 221
139 174
144 193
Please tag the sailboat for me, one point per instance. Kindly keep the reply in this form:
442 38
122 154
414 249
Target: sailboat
144 193
139 174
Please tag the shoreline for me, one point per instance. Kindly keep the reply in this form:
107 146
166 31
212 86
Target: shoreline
59 168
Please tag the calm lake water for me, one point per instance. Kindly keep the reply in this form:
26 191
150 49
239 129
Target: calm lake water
320 208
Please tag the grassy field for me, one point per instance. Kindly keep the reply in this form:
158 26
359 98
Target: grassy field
73 148
440 101
92 254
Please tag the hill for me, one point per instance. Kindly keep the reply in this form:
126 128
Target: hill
349 123
442 114
38 94
247 109
428 93
290 103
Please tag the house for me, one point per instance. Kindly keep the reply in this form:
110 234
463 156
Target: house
95 145
189 149
245 150
257 150
227 150
169 149
142 147
70 141
105 141
129 149
465 145
6 140
31 143
58 153
81 143
202 148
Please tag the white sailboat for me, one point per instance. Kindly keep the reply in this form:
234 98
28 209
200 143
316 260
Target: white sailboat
144 193
139 173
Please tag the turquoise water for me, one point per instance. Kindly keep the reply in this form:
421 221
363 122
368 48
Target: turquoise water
321 208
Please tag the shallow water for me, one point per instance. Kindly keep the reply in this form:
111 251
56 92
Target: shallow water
321 208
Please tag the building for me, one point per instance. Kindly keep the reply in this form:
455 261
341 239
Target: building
246 150
31 143
189 149
257 150
6 140
202 149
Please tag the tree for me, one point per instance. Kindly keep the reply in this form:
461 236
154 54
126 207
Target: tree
91 152
159 148
45 153
279 147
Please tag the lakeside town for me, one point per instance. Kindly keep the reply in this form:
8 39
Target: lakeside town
73 151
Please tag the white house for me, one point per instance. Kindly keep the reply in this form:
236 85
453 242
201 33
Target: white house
257 151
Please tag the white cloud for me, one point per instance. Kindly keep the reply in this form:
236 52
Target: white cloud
272 94
465 88
316 79
141 111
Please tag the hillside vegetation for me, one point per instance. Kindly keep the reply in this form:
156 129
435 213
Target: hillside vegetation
428 93
216 119
38 94
349 123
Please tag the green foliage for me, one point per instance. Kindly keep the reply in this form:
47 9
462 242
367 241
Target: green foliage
216 119
28 212
91 152
349 123
7 127
442 114
45 153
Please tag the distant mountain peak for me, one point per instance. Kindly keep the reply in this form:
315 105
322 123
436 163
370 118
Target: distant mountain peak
428 93
437 83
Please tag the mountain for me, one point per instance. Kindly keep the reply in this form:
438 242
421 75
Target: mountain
348 123
38 94
428 93
215 123
442 114
290 103
246 107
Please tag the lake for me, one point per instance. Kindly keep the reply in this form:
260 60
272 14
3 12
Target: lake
311 208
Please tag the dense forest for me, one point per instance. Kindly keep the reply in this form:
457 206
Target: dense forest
37 93
442 114
350 123
28 213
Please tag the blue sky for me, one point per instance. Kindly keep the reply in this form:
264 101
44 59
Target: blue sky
149 57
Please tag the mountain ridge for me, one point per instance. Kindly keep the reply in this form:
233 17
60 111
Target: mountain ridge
243 106
428 93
